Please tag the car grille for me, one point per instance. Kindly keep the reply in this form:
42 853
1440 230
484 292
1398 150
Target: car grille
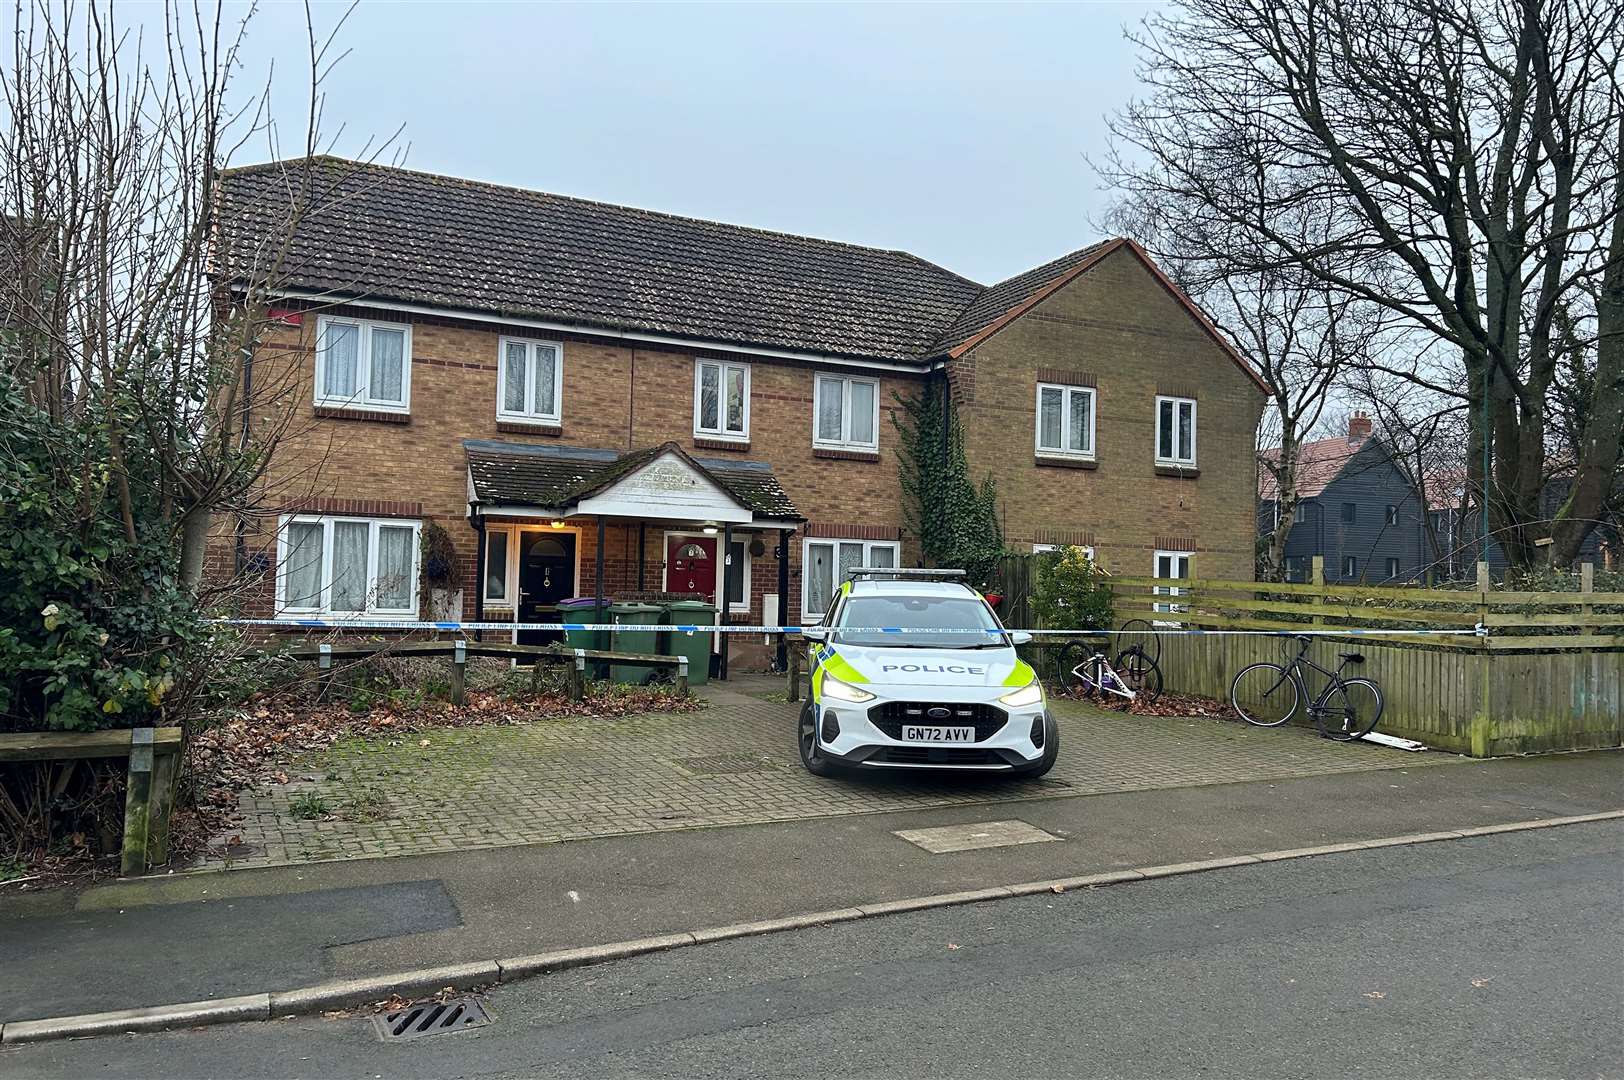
933 755
889 716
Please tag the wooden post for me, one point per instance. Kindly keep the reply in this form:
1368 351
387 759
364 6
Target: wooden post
459 672
1587 585
1482 730
793 664
165 772
577 676
682 674
1318 578
324 665
138 803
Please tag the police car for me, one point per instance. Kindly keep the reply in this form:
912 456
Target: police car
925 698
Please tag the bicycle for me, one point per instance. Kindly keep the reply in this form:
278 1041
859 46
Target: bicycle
1086 671
1347 709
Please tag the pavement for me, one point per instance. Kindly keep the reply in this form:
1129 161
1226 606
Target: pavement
1489 957
214 935
455 789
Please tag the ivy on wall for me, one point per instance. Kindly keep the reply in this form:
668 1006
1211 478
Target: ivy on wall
955 519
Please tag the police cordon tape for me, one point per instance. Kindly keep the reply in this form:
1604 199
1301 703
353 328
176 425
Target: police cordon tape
696 628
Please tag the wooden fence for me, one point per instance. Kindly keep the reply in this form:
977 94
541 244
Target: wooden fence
1547 675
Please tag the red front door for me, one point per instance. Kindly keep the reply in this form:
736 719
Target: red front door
690 565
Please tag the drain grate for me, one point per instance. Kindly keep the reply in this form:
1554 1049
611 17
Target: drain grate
430 1018
721 764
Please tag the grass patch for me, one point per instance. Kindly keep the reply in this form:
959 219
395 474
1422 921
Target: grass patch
364 804
308 806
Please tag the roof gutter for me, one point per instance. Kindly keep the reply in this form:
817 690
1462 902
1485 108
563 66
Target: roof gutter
593 331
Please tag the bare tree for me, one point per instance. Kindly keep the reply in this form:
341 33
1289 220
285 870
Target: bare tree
109 154
1462 165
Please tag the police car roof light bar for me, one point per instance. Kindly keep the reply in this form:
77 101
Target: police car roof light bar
898 572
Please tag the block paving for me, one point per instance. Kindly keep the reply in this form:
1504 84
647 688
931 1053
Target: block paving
733 763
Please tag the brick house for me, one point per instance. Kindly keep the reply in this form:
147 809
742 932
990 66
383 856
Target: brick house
579 392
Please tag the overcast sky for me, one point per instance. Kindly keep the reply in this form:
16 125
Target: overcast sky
956 132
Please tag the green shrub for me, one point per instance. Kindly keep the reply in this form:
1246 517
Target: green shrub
1071 592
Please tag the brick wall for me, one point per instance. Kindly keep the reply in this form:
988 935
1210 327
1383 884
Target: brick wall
1114 328
1117 329
615 396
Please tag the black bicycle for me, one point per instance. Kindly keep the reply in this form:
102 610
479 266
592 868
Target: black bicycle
1268 695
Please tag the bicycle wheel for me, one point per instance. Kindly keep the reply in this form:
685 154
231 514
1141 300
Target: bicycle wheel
1351 710
1074 670
1140 632
1264 695
1140 672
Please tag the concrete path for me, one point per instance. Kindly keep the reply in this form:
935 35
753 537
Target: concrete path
455 789
1494 957
189 937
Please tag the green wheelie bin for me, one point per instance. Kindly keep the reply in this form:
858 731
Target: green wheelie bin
696 644
586 609
637 631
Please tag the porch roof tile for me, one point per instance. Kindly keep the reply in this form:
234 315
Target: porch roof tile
556 477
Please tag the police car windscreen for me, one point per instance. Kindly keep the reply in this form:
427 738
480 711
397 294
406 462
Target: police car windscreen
918 613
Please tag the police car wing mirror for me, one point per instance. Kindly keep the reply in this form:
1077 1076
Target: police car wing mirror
1020 637
814 634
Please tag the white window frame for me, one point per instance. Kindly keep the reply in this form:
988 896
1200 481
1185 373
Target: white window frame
1395 568
845 442
510 572
742 606
809 615
528 415
1392 515
1062 450
323 606
1179 559
1088 549
1184 462
362 398
1350 574
720 431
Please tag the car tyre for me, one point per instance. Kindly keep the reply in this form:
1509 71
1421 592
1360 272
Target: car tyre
1051 753
812 756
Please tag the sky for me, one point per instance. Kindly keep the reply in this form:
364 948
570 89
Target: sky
960 133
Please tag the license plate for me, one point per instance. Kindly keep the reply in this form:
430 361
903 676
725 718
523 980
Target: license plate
911 733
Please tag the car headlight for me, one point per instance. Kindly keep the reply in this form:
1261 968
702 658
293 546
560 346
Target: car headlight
1030 694
834 688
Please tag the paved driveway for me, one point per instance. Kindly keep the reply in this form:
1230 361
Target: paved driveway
734 763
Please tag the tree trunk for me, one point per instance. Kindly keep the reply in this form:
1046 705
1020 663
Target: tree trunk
194 542
1599 453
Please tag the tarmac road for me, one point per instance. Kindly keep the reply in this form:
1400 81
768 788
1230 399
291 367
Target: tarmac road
1495 956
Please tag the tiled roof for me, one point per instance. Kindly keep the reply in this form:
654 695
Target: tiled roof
1318 463
396 234
554 477
998 300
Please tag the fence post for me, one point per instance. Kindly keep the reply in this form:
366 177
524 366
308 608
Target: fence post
324 666
1587 585
1482 720
165 770
459 671
137 804
682 674
1318 578
577 676
792 662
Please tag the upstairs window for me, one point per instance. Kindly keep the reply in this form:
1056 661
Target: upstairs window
1299 513
530 375
1350 513
846 412
1350 568
347 566
363 364
1175 431
1065 421
721 400
1392 515
1392 570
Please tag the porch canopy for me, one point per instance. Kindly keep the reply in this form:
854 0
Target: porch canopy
661 484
